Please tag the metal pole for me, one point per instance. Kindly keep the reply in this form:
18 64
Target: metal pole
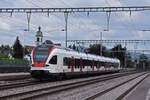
143 65
66 25
23 46
125 56
135 47
101 43
24 42
108 19
28 19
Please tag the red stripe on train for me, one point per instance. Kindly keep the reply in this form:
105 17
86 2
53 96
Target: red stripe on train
39 64
50 53
32 54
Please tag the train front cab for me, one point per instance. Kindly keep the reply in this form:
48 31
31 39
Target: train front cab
44 62
49 70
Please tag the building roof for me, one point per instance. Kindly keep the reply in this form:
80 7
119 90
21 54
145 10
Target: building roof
51 42
30 48
48 42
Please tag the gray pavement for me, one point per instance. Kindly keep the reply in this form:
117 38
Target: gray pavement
13 74
142 92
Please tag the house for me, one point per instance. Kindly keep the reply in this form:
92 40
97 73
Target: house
6 53
29 48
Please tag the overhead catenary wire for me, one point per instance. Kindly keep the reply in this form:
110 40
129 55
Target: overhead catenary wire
51 13
83 23
74 15
120 16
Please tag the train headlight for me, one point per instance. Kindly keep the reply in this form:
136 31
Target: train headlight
46 65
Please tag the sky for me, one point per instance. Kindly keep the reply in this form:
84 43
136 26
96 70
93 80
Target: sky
80 25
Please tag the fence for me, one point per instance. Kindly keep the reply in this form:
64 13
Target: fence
14 66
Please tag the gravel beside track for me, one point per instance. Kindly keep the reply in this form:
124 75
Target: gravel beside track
83 92
29 92
118 91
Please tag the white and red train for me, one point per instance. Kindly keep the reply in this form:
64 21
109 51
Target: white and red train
50 61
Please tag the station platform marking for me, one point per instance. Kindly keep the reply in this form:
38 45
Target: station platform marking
148 95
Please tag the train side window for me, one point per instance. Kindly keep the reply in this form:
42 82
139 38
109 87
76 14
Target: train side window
77 63
92 63
83 67
65 61
53 60
103 64
38 39
97 64
83 63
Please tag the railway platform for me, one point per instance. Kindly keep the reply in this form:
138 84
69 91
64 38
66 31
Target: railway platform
141 92
13 76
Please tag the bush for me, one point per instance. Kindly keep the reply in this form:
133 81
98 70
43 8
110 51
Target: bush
4 57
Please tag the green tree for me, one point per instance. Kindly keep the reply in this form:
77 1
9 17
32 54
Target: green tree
96 49
118 52
77 48
143 62
26 52
5 48
5 51
129 61
17 49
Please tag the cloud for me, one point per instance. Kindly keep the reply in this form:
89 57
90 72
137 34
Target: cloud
80 26
140 34
5 26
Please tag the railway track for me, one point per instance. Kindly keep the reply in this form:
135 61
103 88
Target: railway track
103 94
19 84
30 81
35 93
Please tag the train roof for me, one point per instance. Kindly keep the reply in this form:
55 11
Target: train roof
86 55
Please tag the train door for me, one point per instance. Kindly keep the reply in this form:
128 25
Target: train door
72 64
98 66
102 65
93 65
60 63
53 62
81 64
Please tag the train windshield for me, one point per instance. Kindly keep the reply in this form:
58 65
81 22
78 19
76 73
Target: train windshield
41 53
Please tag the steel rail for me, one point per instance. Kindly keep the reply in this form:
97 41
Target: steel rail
116 86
